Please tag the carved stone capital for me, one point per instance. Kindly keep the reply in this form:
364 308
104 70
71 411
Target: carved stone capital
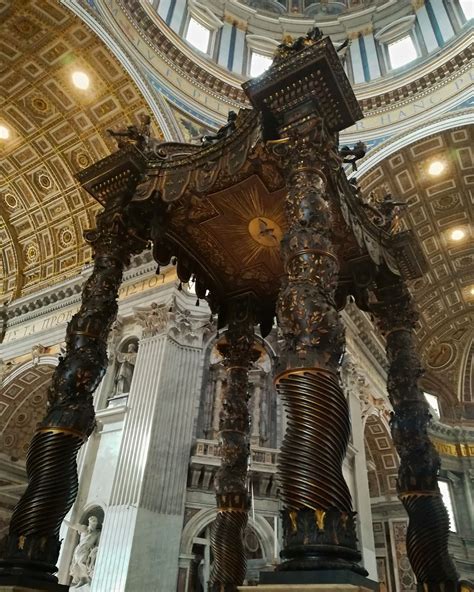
175 319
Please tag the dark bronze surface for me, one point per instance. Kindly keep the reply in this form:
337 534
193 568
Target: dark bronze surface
417 484
263 217
239 351
33 545
318 521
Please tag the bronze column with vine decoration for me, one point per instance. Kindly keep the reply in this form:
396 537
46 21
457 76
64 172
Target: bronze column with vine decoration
318 520
31 550
239 351
417 484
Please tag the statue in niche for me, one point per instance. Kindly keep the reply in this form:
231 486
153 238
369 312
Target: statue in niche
126 361
85 553
114 336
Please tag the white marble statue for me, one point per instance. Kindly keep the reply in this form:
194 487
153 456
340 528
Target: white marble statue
127 361
114 336
153 318
36 352
83 559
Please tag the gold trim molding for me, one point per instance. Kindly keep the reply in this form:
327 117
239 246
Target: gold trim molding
453 449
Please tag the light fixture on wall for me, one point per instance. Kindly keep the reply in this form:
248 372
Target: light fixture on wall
4 132
436 168
80 80
457 234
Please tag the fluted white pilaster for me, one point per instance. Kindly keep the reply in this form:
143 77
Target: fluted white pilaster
372 59
139 546
360 489
356 59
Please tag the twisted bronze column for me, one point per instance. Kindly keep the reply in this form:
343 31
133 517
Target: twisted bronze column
318 521
417 484
239 352
32 547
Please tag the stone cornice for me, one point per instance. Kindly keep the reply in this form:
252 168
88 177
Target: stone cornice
455 433
459 57
223 87
68 292
168 44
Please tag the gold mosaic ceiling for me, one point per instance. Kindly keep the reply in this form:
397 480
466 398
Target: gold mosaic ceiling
437 206
55 130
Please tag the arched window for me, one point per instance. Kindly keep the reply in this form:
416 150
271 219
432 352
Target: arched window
433 402
448 502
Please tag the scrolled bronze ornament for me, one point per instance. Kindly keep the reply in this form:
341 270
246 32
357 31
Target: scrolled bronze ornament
33 545
318 520
239 351
417 484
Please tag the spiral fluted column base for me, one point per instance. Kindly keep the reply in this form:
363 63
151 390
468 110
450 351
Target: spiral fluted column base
427 542
318 521
52 488
227 543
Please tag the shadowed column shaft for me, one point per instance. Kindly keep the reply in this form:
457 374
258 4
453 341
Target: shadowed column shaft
33 543
239 352
417 484
318 521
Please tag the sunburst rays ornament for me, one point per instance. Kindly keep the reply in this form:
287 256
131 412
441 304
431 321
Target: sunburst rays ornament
254 224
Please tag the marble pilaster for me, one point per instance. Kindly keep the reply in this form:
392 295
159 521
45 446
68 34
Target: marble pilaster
217 404
442 19
139 547
359 471
372 59
255 418
426 29
356 59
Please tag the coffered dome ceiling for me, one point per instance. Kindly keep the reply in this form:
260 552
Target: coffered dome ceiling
438 206
55 129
